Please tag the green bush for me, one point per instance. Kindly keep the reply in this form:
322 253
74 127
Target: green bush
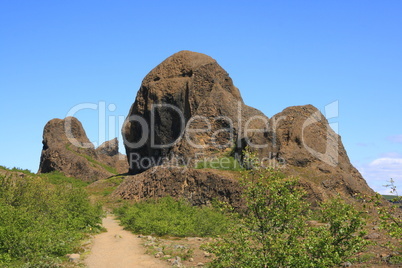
167 216
274 230
391 219
41 222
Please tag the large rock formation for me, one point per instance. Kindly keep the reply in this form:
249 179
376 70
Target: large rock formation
187 108
301 142
67 149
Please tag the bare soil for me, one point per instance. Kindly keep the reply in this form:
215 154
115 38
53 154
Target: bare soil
119 248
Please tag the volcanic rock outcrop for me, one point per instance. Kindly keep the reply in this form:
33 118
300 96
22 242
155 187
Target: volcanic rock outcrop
187 109
198 186
67 149
303 144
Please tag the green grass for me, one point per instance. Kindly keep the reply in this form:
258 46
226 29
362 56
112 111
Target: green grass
102 189
396 259
42 219
58 178
106 167
16 169
389 197
365 257
115 180
93 161
106 186
167 216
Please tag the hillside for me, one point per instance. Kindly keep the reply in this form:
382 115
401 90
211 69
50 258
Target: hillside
43 218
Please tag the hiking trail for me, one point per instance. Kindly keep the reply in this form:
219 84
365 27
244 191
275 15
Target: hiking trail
119 248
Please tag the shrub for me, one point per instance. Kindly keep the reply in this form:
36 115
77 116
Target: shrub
167 216
273 232
391 219
41 222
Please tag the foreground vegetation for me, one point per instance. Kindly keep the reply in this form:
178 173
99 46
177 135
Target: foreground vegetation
42 219
167 216
278 228
391 220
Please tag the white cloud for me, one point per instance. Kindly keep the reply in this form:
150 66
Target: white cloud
387 162
380 171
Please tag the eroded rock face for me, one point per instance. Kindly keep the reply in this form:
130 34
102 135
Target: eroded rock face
198 186
108 153
301 139
191 90
109 148
67 149
186 108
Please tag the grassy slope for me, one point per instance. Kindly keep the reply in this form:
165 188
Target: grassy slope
43 217
93 161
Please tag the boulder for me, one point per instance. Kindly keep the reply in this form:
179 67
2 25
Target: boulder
66 148
186 108
301 143
108 153
109 148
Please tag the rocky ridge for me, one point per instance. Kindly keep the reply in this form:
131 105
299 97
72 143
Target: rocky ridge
66 148
189 107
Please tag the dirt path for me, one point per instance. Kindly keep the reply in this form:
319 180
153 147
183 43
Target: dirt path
119 248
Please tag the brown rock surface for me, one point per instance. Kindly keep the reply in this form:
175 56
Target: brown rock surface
108 153
187 89
312 150
198 186
301 142
196 92
109 148
67 149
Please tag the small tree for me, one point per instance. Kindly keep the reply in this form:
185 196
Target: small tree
273 232
391 218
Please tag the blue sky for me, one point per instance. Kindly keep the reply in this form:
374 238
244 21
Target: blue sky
55 55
